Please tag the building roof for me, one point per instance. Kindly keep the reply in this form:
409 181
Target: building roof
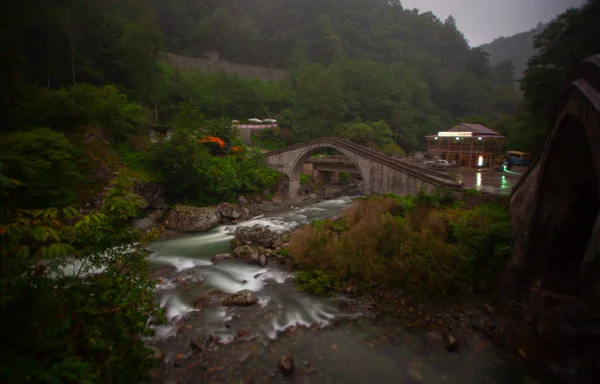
477 129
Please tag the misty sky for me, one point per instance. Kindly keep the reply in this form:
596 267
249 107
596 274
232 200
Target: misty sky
481 21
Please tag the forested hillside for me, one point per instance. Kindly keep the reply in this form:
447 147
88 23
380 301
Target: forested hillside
518 48
86 105
353 60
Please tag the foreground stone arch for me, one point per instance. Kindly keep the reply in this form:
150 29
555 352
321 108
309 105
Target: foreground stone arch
555 208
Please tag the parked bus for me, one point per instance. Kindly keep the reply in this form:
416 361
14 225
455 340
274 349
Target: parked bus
518 158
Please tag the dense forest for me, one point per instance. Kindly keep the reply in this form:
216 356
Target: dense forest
83 91
518 48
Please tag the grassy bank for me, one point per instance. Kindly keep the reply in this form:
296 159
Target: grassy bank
426 245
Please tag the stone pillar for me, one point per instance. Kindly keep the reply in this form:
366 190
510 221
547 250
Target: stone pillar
294 186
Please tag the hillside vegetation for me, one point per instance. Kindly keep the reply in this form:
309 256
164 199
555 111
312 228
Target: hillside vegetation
517 48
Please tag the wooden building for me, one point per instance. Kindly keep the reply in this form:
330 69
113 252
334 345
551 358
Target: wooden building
467 145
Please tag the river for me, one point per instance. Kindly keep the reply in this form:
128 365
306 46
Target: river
328 344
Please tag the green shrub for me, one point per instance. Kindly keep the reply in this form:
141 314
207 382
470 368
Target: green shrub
407 242
317 282
46 164
483 235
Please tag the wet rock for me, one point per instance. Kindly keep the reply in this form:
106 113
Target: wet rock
160 272
451 343
185 218
196 345
242 200
415 374
289 280
434 336
259 235
262 260
241 299
489 309
247 253
244 281
286 365
221 257
157 353
230 211
211 300
144 224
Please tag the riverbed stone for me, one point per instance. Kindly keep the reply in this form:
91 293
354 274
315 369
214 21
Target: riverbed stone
184 218
286 365
242 298
231 211
257 235
451 343
221 257
262 260
156 352
247 253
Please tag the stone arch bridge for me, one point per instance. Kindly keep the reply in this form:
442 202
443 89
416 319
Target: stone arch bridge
555 208
380 173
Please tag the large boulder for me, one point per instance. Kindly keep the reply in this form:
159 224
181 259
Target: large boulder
148 222
231 211
241 299
183 218
256 235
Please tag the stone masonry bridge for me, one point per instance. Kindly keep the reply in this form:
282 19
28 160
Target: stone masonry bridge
380 173
555 208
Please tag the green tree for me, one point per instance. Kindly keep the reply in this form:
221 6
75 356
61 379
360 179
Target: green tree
45 162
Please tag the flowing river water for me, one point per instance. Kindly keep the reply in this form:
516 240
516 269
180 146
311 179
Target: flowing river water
328 344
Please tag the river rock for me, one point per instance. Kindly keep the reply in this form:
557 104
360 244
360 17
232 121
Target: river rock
247 253
157 353
221 257
257 235
241 299
286 365
211 300
185 218
451 343
231 211
262 260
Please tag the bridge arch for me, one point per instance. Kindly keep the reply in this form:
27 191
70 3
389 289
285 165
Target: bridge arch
561 236
302 156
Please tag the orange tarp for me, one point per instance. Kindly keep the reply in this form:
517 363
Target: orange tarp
213 139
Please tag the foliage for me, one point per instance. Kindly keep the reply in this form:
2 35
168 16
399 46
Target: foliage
484 236
405 241
193 175
564 43
317 282
45 162
88 332
69 109
269 139
121 204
